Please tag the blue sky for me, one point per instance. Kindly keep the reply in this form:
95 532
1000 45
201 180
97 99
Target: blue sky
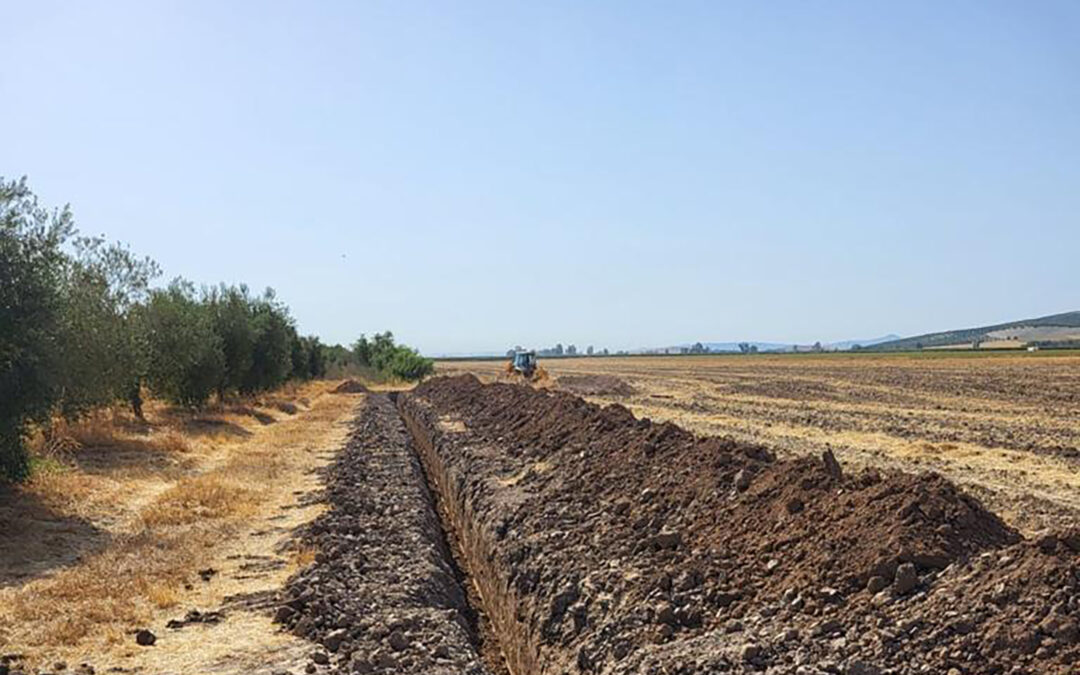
624 174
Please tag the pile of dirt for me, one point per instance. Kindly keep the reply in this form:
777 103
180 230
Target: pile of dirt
383 595
351 386
626 546
595 385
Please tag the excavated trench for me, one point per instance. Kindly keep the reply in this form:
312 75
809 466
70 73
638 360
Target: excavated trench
459 541
503 641
386 594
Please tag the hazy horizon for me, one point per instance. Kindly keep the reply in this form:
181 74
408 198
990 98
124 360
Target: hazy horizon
625 175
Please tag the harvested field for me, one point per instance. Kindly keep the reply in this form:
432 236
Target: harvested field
1004 426
603 543
594 385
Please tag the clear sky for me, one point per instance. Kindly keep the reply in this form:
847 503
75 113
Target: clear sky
625 174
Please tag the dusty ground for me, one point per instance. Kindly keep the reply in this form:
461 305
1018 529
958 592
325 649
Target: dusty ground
1005 426
146 523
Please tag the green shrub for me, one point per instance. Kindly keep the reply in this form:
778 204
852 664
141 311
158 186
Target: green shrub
407 364
316 358
388 358
307 358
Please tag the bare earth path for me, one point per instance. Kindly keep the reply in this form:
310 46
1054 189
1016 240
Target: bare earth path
1007 427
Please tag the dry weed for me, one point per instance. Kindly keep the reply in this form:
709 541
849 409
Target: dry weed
301 557
163 596
207 496
171 440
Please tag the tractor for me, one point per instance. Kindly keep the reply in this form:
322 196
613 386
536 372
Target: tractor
523 364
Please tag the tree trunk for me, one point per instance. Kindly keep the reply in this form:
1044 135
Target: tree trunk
135 396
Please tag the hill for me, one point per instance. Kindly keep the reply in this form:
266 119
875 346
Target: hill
1044 330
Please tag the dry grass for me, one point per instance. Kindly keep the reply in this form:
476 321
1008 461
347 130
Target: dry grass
109 592
150 506
301 558
208 496
109 429
171 440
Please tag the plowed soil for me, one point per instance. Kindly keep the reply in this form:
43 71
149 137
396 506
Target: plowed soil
627 546
1003 426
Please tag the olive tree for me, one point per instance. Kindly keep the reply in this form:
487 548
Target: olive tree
102 356
31 303
186 358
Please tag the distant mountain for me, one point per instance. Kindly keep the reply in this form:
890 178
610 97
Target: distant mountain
1053 329
848 344
734 346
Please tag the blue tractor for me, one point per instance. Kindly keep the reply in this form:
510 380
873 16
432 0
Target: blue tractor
523 363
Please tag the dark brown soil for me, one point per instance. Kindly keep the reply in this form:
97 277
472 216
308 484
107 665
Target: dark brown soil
633 547
351 386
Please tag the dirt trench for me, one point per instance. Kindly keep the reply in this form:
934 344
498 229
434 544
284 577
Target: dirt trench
481 527
385 594
476 554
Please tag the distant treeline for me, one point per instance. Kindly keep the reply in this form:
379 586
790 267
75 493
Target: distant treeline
559 350
81 328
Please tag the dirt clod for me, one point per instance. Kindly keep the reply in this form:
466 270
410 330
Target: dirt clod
351 386
832 466
195 616
906 579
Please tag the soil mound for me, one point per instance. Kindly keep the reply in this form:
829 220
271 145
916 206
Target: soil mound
595 385
630 546
351 386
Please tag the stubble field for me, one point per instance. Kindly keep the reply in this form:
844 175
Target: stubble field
1005 426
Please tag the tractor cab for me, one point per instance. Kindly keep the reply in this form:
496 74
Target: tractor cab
525 363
